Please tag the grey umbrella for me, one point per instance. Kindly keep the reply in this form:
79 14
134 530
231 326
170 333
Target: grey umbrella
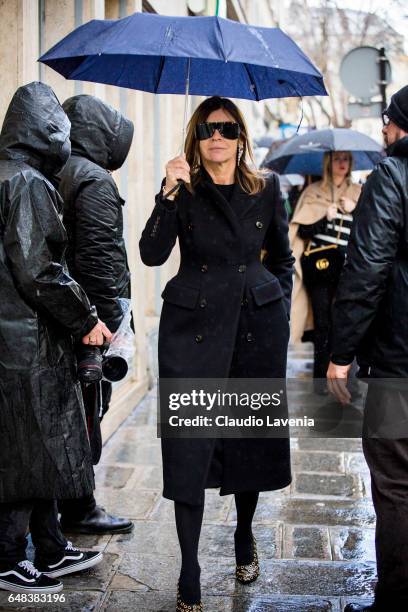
304 154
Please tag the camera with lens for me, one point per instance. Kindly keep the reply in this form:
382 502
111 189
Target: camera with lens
110 361
93 366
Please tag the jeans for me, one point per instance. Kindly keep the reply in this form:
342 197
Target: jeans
40 517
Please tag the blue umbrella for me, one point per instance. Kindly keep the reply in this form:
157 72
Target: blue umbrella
264 142
304 154
198 55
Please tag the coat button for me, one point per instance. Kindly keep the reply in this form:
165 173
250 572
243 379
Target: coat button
203 303
204 268
249 337
259 224
190 227
244 302
242 268
198 338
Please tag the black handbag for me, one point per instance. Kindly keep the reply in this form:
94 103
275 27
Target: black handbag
322 265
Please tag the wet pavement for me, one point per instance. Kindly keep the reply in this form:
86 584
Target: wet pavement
315 538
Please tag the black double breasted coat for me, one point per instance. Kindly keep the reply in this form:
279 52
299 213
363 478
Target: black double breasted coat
225 313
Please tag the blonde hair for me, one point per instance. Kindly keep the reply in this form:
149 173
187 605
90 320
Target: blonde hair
327 167
250 180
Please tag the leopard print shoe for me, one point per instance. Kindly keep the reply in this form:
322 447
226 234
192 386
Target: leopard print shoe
248 573
183 607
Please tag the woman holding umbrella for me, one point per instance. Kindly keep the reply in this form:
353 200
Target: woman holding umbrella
319 233
225 315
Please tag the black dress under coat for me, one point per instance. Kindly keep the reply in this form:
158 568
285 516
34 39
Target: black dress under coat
225 314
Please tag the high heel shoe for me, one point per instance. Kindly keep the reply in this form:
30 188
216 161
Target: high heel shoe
248 573
183 607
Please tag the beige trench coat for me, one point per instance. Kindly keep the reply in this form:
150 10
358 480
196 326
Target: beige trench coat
311 207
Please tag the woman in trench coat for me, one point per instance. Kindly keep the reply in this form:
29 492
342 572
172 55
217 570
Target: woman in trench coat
323 217
225 314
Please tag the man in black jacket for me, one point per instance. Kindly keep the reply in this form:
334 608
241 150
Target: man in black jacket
100 139
370 312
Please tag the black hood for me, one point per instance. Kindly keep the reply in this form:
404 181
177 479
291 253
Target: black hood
98 132
36 129
399 148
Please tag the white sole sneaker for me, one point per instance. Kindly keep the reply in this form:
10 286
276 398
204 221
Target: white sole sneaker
75 567
6 586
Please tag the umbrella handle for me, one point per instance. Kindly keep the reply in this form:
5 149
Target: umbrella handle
183 134
331 177
186 100
175 188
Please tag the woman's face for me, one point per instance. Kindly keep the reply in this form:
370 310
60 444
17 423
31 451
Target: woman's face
218 149
341 163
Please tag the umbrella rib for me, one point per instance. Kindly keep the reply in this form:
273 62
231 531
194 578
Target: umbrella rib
253 84
222 39
161 67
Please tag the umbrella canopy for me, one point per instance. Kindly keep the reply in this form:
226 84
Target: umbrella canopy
304 154
287 181
264 142
156 53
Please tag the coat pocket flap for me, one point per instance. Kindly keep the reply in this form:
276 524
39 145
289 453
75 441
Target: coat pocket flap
267 292
181 295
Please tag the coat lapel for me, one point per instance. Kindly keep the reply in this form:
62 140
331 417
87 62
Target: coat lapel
237 209
243 203
216 198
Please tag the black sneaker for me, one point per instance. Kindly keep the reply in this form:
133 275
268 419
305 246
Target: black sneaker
73 560
25 578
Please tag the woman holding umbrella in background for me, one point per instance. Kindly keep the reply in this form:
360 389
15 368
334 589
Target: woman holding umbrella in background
319 233
225 315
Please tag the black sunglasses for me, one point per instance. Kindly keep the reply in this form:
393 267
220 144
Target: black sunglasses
227 129
385 118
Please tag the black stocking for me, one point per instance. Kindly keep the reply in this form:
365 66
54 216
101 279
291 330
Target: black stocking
188 522
246 505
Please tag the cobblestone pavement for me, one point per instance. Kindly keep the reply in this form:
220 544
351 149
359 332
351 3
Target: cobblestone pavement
315 538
